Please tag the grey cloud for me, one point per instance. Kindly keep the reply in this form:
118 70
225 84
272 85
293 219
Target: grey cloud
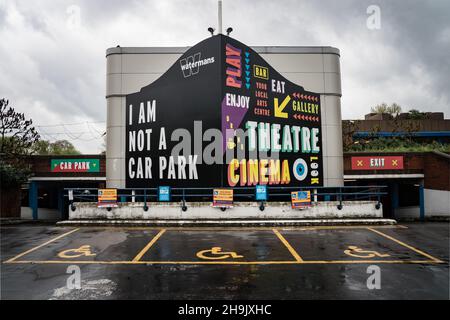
407 61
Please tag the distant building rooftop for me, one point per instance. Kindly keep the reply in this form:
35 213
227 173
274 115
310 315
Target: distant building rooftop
404 116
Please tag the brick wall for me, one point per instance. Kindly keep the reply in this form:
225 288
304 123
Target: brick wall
10 203
413 162
435 166
437 171
40 165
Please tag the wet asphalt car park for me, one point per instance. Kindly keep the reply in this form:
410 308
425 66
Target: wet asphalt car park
225 263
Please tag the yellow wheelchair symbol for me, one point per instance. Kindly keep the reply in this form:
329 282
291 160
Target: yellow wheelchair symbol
215 253
354 251
76 253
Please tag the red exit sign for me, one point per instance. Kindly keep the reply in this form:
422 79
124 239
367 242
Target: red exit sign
377 163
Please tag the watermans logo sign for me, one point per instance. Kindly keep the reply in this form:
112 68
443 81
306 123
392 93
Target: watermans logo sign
191 65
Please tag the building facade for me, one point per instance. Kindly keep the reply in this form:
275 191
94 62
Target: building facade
317 69
418 184
44 197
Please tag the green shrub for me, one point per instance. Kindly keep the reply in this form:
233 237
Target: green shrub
396 145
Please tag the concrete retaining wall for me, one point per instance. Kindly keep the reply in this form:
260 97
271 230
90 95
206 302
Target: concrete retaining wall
437 207
242 210
437 203
26 213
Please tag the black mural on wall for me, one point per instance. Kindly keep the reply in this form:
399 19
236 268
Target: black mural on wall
224 85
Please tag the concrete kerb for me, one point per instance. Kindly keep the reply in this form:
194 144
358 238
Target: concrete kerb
201 211
229 223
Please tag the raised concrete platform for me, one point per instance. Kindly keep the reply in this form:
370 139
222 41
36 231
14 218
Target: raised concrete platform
241 214
203 211
228 223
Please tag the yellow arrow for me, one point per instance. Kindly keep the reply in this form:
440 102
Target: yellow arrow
279 108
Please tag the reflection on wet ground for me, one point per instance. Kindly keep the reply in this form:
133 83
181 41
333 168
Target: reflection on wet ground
185 263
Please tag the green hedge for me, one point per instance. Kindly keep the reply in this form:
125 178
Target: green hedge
396 145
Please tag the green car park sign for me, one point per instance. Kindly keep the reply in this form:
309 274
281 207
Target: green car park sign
75 165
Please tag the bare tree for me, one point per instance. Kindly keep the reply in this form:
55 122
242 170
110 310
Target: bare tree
394 109
380 108
17 136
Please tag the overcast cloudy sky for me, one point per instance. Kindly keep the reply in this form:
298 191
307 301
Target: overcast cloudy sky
53 68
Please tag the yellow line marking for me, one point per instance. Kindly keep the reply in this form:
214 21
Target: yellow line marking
148 246
150 262
299 260
288 246
229 262
372 262
337 227
233 228
406 245
40 246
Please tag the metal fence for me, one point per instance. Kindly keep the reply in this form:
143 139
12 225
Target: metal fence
240 194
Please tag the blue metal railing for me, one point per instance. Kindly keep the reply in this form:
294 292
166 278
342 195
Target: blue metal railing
248 194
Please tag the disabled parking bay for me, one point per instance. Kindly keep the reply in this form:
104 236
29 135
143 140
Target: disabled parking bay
352 245
86 245
252 263
306 245
212 246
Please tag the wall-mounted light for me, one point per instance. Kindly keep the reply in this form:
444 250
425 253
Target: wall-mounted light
229 30
211 30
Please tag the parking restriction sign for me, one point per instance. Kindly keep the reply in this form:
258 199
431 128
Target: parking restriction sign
300 199
261 193
107 198
164 194
223 198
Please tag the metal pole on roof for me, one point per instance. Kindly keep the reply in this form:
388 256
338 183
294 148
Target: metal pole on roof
220 17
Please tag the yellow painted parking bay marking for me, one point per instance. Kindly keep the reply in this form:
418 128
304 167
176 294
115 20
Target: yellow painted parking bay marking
229 262
288 246
406 245
42 245
149 245
298 259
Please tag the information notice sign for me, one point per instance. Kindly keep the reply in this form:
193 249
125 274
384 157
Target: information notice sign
301 199
107 198
223 198
261 193
164 194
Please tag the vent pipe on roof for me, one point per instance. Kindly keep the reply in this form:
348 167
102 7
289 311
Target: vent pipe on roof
220 17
